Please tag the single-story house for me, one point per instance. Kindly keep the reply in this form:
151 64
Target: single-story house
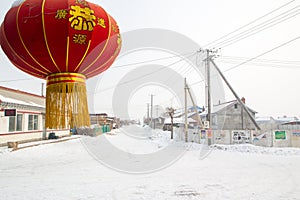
22 117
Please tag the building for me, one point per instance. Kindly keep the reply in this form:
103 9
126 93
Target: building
280 123
286 120
102 119
266 123
22 117
231 116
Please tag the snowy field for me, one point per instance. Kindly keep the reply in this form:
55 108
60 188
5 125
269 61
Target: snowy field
69 170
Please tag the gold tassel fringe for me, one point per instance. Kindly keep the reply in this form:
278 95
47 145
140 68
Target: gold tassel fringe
66 101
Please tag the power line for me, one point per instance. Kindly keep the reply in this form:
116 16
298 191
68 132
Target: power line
258 29
265 65
250 59
266 52
262 62
253 58
147 61
244 26
251 22
292 62
14 80
183 66
145 75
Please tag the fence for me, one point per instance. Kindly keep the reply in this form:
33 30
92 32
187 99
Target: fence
95 131
265 138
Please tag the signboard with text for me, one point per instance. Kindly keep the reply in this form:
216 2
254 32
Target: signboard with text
10 112
296 133
280 135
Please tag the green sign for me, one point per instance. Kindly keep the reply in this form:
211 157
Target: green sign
280 135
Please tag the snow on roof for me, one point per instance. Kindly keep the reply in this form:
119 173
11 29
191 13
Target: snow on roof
20 97
264 119
221 106
191 109
179 120
175 121
286 119
218 107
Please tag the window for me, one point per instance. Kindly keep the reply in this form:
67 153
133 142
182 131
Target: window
15 123
12 124
19 122
214 120
30 122
33 122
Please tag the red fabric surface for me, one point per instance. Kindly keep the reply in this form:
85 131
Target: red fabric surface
46 37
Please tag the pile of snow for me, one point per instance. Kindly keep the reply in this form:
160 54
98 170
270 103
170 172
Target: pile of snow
248 148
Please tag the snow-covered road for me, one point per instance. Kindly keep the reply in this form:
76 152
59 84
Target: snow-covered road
67 170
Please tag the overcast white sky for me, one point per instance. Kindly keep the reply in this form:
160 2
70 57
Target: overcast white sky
271 90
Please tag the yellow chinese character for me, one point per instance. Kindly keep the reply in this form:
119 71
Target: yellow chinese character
61 14
82 18
114 28
79 39
82 2
101 22
119 40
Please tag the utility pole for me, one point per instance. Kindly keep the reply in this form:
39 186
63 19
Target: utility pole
185 112
208 89
242 118
207 65
148 113
195 106
42 89
235 94
151 111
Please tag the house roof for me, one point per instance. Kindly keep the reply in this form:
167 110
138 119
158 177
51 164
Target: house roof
286 120
217 108
178 120
295 122
265 120
12 96
191 111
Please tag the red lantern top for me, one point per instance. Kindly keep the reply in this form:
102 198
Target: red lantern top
43 37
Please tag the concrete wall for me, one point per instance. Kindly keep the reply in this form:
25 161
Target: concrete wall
29 136
259 138
231 118
3 123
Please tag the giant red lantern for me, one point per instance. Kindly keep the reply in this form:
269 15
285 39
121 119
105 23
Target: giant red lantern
64 42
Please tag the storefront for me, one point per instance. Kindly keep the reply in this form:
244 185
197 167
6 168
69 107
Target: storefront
22 117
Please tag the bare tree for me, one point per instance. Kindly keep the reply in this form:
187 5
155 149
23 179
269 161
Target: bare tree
171 111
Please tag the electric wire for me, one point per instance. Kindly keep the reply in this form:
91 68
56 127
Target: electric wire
251 22
257 30
262 62
292 62
253 58
14 80
264 53
248 60
147 61
113 67
145 75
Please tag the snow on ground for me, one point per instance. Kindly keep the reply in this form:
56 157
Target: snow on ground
67 170
248 148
